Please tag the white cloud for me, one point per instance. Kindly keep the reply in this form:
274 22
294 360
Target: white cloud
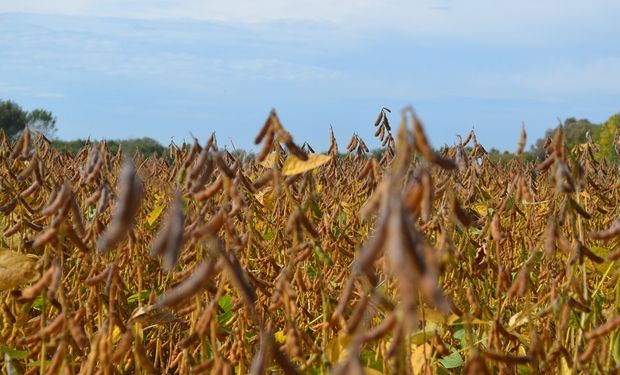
149 50
485 20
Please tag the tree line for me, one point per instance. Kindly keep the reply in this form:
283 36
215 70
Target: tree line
576 131
14 119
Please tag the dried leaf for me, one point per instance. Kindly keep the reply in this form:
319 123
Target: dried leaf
294 165
16 269
270 160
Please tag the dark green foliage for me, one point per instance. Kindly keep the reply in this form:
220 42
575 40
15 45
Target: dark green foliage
607 137
145 146
575 132
13 118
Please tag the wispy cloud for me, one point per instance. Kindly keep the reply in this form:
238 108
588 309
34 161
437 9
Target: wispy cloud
160 49
145 65
485 20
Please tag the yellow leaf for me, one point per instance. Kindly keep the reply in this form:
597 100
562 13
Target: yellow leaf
454 319
432 315
155 214
517 320
371 371
269 160
426 333
336 350
280 337
419 356
481 209
266 198
116 334
293 165
564 367
16 269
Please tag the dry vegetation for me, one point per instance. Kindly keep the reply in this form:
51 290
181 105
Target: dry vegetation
296 262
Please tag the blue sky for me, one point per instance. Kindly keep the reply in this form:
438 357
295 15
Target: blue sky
173 69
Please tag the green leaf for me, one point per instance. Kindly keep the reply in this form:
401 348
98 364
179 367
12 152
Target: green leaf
39 302
311 272
316 210
268 235
91 212
322 255
475 231
459 335
38 363
370 360
511 202
426 333
142 295
524 370
14 353
225 302
226 305
453 360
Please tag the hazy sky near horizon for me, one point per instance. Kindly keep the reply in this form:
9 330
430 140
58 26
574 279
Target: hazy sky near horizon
177 69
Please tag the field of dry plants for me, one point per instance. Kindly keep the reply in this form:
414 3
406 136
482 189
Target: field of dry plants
296 262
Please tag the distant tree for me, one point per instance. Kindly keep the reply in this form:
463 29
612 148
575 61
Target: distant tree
42 121
607 137
13 119
575 132
145 146
497 156
377 153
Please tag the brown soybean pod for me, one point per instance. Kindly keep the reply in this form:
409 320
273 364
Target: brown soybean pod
44 237
62 197
604 328
12 230
53 327
57 359
9 206
195 283
34 290
77 332
210 191
124 346
222 166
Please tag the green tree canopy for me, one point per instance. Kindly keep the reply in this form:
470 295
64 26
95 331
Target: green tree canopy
146 146
575 132
13 119
607 137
